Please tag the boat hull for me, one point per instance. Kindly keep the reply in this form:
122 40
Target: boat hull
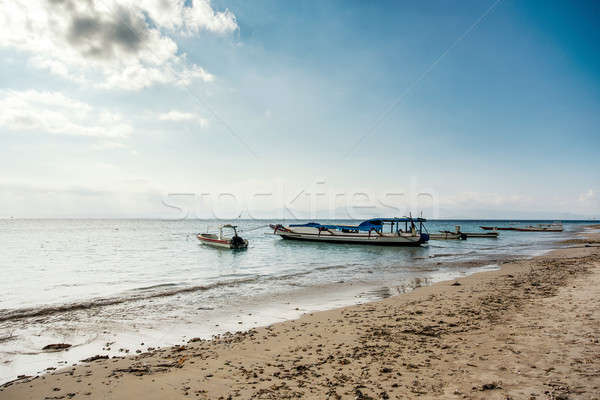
496 228
492 235
447 236
537 230
524 229
351 241
220 243
354 239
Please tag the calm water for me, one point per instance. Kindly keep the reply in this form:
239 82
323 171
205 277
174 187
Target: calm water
93 282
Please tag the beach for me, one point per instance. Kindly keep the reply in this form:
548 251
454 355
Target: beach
528 330
90 283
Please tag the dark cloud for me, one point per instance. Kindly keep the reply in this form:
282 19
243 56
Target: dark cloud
128 31
99 35
82 27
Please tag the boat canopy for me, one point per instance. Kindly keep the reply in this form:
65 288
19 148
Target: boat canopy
375 224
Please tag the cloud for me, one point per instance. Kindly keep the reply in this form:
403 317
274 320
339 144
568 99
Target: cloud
179 116
109 43
590 195
189 19
55 113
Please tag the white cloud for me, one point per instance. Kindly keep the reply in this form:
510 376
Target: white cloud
587 196
55 113
199 15
178 116
110 43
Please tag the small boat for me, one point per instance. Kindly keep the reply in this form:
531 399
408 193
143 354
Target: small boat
447 235
372 231
542 228
482 234
459 235
233 242
555 227
466 235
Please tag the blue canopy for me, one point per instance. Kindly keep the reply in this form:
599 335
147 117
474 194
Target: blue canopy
370 224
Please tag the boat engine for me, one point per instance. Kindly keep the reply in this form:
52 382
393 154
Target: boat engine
237 242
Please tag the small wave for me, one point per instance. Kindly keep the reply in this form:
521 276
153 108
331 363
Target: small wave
158 286
329 267
103 302
22 313
447 255
288 276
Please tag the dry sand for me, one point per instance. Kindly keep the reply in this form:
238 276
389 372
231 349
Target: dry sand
528 331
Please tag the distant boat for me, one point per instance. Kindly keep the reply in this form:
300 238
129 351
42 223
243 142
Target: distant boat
555 227
482 234
447 235
459 235
379 231
221 241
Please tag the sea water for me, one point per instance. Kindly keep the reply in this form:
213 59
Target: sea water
107 286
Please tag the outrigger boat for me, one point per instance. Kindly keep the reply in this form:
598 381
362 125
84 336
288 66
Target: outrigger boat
221 241
373 231
448 235
555 227
458 234
481 234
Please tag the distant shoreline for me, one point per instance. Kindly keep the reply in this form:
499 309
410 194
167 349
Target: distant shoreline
525 220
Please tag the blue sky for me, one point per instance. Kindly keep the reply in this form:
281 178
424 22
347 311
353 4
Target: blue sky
492 107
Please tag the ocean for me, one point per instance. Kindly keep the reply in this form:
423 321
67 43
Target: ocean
121 286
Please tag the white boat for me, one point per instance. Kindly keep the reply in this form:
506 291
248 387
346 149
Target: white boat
447 235
554 227
379 231
459 235
221 241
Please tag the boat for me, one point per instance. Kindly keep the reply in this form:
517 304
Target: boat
482 234
221 241
447 235
541 228
466 235
554 227
377 231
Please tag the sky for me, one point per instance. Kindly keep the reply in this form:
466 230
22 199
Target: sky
197 108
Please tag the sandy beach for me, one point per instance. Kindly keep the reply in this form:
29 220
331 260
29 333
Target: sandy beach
530 330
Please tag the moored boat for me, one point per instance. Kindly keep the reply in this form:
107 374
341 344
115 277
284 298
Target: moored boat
554 227
406 231
447 235
541 228
222 241
482 234
466 235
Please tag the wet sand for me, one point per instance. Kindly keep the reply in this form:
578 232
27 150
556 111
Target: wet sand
528 331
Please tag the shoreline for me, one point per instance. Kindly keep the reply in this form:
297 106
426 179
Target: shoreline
26 357
239 363
258 311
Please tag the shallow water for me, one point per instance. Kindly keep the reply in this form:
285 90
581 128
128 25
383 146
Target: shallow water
93 282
